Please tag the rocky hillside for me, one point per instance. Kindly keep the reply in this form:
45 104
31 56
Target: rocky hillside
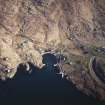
72 28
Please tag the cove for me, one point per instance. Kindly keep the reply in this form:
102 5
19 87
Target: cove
43 87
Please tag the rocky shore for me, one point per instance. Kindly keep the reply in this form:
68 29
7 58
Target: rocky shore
74 29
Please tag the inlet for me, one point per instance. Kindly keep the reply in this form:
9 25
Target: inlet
43 87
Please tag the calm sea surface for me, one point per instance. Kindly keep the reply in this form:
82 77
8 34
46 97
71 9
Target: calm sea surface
42 87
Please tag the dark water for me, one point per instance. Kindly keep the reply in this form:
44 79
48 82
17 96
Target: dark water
42 87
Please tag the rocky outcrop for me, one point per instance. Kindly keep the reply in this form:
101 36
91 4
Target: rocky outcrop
73 28
82 73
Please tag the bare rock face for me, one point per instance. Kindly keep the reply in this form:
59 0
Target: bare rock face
76 28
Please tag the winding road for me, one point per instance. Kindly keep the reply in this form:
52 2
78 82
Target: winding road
94 72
